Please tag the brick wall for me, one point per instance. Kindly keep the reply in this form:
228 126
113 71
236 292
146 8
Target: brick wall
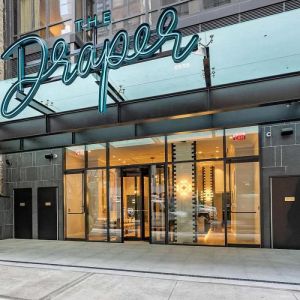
280 157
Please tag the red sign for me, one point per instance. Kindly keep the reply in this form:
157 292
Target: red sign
239 137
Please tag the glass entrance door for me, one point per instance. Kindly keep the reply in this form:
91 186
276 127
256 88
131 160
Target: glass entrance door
243 203
135 196
74 204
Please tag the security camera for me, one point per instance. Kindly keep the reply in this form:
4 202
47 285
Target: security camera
51 156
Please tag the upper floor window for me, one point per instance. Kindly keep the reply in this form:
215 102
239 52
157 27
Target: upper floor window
215 3
47 18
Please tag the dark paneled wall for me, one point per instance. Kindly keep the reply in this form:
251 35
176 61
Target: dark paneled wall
280 157
6 218
33 170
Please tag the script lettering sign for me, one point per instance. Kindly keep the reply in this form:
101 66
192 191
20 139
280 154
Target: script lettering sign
112 55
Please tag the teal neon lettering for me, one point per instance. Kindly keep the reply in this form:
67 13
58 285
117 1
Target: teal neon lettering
113 55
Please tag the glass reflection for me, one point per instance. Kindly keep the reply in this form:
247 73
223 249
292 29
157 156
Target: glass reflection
74 207
135 190
210 211
115 225
243 225
32 15
96 155
132 207
97 205
60 10
208 144
182 203
60 29
242 141
141 151
75 158
158 222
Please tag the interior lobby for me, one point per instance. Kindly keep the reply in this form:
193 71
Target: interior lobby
197 188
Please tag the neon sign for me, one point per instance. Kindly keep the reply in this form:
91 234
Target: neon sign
239 136
113 55
93 22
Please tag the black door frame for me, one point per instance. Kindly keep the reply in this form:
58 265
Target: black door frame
271 203
228 162
84 208
14 211
56 203
142 175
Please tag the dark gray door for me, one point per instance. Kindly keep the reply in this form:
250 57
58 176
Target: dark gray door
23 213
286 212
47 213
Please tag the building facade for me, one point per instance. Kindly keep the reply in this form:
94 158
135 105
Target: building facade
198 152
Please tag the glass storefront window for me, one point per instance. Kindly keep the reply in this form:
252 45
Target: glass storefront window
96 155
157 188
243 204
198 206
60 29
78 9
197 145
214 3
115 225
210 211
97 205
41 33
74 207
182 203
122 9
136 7
168 2
129 25
242 141
32 15
60 10
141 151
75 158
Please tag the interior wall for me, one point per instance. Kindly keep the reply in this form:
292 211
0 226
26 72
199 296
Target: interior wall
33 170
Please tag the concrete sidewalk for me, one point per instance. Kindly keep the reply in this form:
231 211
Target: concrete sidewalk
265 265
19 282
35 269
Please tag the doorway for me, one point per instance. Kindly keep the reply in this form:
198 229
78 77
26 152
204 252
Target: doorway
23 213
135 202
243 203
47 213
285 195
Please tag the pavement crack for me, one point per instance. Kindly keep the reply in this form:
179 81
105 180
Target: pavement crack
172 290
11 298
296 297
67 286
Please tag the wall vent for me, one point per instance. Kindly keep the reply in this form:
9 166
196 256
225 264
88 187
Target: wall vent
222 22
262 12
292 4
251 15
190 30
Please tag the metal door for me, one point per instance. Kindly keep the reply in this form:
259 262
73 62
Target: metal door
23 213
47 213
285 195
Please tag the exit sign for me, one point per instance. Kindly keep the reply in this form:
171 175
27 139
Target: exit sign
239 137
